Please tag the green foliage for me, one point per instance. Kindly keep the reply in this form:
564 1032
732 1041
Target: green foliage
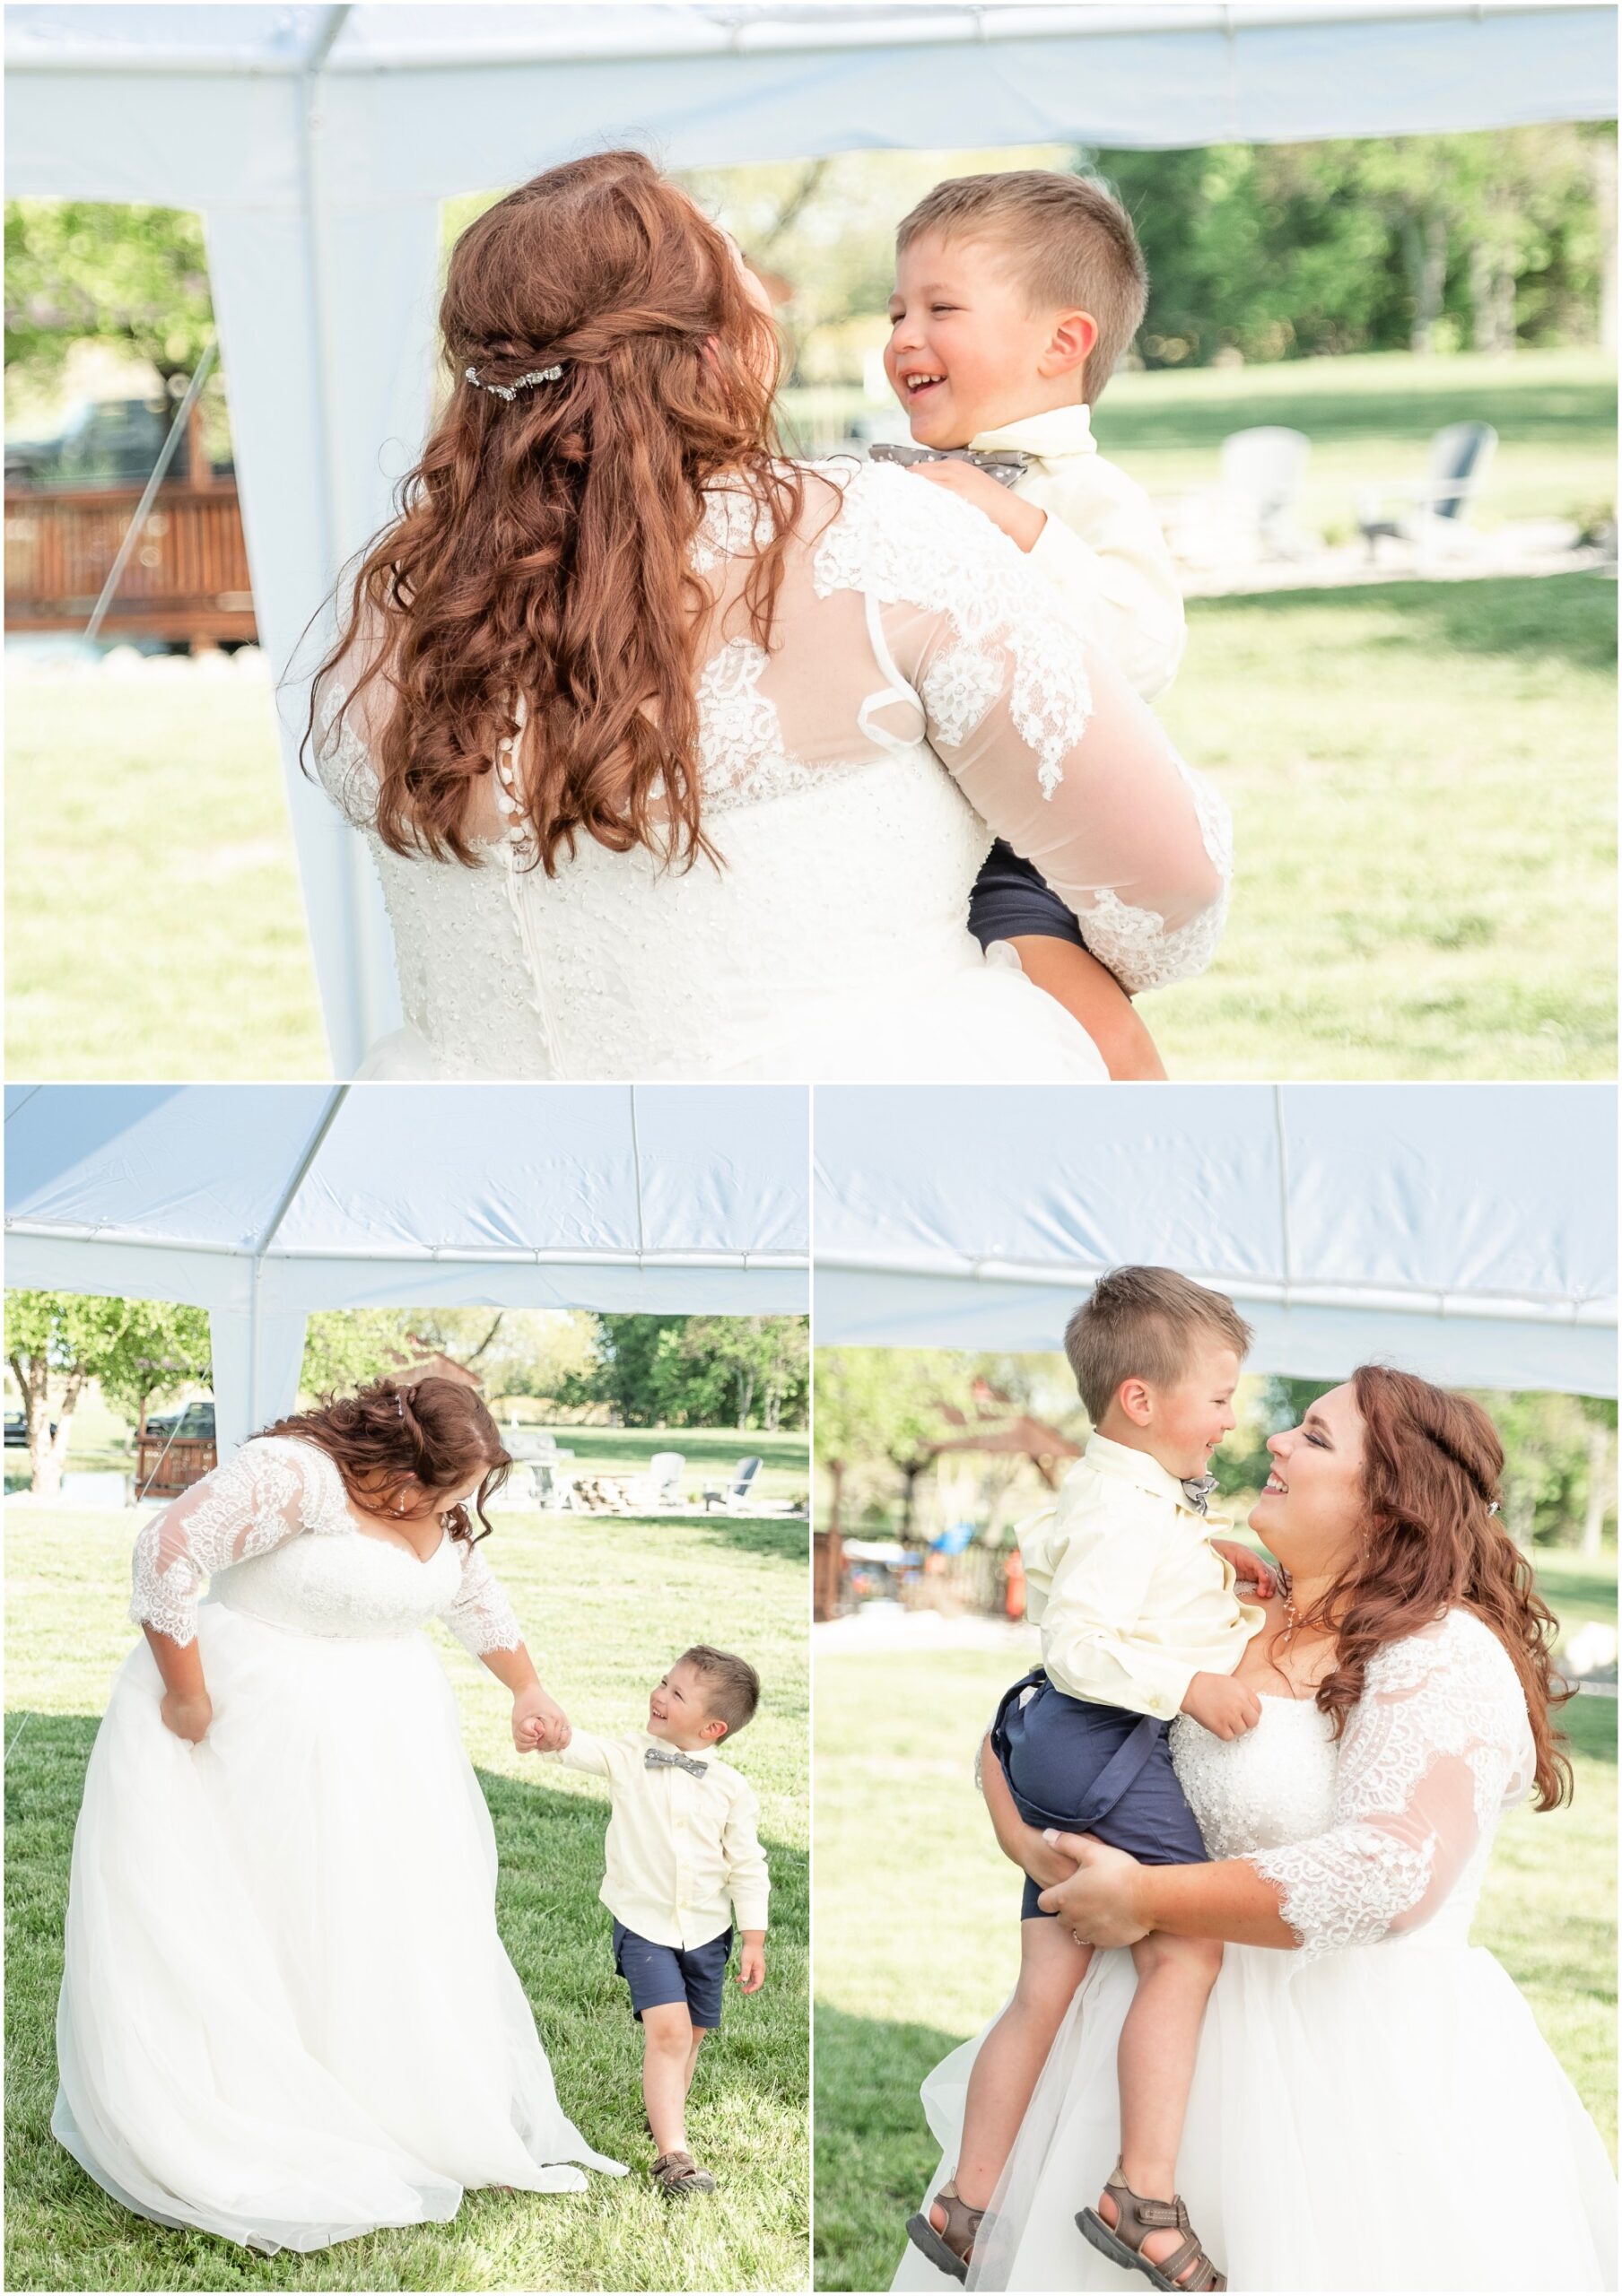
344 1347
883 1404
82 270
697 1370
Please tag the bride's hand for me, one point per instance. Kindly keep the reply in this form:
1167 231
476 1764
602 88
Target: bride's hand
186 1717
1095 1904
539 1724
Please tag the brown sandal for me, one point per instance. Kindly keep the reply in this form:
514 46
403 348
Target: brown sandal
679 2173
953 2250
1135 2219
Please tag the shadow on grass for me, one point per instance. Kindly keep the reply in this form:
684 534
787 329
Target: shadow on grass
1532 412
1566 617
873 2151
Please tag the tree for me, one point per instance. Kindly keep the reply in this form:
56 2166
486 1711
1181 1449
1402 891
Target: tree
880 1408
750 1370
62 1340
163 1344
699 1370
344 1347
84 271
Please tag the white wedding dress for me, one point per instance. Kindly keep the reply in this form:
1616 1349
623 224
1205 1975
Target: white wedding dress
286 2015
1376 2111
921 694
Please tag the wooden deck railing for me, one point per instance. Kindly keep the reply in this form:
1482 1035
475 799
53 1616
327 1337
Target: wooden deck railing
165 1468
187 580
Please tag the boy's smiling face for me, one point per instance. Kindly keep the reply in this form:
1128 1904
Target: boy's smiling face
965 353
677 1712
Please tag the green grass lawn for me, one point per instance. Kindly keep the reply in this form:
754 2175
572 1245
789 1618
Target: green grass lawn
1421 776
605 1611
1369 418
1422 780
916 1924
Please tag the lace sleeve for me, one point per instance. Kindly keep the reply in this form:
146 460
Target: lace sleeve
1039 727
1437 1747
479 1613
271 1491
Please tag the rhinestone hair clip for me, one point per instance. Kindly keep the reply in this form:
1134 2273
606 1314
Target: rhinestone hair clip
510 391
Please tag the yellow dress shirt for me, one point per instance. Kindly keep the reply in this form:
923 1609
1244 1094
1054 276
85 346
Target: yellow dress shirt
1102 548
1131 1598
682 1853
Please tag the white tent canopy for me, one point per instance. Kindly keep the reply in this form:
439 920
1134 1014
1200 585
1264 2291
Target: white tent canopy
1458 1231
319 141
262 1202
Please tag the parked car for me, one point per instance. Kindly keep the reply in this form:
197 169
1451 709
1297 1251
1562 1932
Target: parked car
187 1423
104 442
16 1429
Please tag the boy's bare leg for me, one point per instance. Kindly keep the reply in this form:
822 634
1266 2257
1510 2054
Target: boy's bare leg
700 2034
1091 993
1051 1965
668 2054
1158 2044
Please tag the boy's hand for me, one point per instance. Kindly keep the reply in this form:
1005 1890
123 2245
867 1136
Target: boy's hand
539 1724
1224 1708
752 1960
1022 521
1249 1567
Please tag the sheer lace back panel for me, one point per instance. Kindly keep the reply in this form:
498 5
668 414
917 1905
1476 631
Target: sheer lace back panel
920 694
274 1530
1386 1835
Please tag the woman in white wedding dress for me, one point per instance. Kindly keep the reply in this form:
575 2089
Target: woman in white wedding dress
678 759
1374 2107
286 2015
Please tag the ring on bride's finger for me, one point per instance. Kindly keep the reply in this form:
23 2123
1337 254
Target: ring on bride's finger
1081 1939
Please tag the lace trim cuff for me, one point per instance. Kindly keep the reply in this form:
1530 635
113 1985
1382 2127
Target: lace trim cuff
1347 1891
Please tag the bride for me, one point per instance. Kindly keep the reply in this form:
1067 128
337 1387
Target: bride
1374 2107
678 758
286 2015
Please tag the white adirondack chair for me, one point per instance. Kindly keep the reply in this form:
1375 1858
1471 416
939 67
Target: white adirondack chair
1262 469
1434 516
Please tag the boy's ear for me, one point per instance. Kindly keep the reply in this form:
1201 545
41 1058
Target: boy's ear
1070 344
714 1729
1136 1401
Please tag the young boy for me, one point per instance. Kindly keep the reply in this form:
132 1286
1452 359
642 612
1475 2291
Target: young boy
1140 1621
1014 296
683 1855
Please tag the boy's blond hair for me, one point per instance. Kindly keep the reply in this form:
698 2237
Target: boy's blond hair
1142 1323
732 1688
1071 241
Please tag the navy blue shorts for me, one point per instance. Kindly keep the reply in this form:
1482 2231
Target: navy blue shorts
659 1975
1011 898
1097 1769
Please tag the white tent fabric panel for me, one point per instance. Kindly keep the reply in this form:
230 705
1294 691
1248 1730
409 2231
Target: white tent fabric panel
1463 1230
318 142
263 1202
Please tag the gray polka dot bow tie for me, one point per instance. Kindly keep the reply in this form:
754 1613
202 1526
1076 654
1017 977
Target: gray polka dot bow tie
1197 1490
1007 465
658 1758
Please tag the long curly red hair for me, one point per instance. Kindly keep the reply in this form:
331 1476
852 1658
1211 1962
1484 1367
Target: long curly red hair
434 1433
542 544
1432 1464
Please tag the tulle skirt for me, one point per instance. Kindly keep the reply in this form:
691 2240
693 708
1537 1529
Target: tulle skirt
1386 2118
286 2015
